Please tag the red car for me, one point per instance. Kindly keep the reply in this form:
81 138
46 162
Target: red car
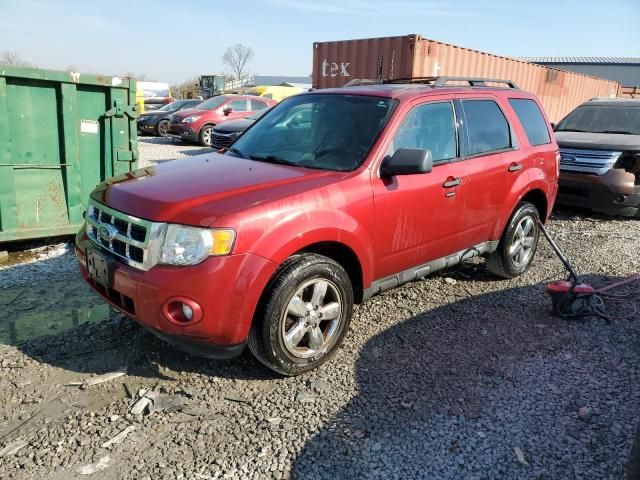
331 197
196 124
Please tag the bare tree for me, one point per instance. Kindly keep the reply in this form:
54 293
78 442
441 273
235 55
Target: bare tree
13 60
236 58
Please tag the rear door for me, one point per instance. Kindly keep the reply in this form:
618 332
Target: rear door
419 217
495 162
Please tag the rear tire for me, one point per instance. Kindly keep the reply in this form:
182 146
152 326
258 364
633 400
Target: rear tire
163 128
518 244
205 135
303 316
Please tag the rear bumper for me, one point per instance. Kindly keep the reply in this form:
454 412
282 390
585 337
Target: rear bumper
183 132
613 193
226 288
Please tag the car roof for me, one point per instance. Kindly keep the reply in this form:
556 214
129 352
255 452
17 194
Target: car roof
615 102
407 91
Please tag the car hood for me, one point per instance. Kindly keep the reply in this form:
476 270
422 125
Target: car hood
598 141
200 189
190 111
231 126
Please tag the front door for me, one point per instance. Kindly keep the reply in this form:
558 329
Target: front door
418 218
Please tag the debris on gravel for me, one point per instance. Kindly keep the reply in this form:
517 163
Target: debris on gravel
459 375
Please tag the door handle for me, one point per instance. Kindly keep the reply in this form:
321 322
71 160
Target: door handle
514 167
454 182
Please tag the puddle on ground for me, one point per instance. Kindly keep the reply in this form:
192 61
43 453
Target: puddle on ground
47 309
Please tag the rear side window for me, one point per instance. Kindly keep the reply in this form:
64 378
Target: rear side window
532 120
431 126
487 127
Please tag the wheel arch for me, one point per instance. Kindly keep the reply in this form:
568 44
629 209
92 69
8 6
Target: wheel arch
346 257
538 198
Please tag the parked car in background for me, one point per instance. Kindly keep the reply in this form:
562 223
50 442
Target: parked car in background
225 133
600 156
152 95
196 124
271 243
274 92
156 122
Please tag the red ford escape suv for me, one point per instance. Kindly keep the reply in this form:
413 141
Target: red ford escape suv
271 243
196 124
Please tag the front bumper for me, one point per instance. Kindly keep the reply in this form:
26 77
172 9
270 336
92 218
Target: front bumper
147 127
183 132
613 193
226 288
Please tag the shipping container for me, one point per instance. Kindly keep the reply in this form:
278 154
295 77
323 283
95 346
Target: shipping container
336 63
61 133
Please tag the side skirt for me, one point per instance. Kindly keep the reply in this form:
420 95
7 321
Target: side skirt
414 273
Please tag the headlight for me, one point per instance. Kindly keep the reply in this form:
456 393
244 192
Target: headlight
191 245
191 119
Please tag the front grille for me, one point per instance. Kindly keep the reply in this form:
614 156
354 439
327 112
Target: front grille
130 243
222 140
594 162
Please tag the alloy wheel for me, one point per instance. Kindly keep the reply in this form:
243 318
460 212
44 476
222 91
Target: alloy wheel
311 319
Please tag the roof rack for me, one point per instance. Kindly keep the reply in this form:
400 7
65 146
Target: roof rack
444 81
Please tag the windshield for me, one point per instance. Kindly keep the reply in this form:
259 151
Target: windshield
213 102
324 131
173 106
602 119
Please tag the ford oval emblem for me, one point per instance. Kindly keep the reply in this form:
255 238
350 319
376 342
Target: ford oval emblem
567 158
107 232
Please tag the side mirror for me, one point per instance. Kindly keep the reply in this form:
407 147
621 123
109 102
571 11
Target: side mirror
553 126
407 161
227 110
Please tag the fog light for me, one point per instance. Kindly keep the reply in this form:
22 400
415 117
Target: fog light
182 311
187 311
619 198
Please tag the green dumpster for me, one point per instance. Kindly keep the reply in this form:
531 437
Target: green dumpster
61 133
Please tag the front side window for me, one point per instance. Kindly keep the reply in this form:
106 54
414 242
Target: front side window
257 105
487 127
239 105
431 126
602 119
323 131
532 120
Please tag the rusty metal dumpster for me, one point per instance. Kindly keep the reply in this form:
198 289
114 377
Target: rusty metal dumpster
61 133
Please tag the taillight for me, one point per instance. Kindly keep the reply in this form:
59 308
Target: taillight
557 164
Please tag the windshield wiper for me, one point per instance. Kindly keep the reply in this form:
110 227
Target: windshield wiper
237 152
623 132
572 130
273 159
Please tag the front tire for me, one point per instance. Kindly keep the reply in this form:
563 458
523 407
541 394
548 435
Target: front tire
518 244
205 135
303 316
163 128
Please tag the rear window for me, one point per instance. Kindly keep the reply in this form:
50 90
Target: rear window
487 127
257 105
532 120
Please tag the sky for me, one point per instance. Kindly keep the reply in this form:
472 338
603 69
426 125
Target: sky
174 41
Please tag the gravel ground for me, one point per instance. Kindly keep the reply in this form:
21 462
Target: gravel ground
158 149
450 377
